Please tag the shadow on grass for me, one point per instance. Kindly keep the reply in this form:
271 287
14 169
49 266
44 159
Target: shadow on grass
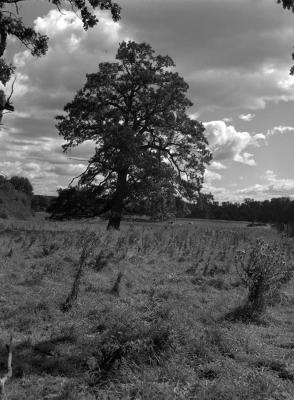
43 358
247 313
69 357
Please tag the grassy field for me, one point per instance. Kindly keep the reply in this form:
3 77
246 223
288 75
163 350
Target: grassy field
149 321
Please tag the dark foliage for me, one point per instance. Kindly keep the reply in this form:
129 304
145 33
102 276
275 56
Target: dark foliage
41 202
135 110
11 24
76 202
288 4
279 211
22 184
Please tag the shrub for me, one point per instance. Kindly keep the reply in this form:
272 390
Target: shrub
22 184
263 269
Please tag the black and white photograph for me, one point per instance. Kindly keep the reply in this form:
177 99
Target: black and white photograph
146 199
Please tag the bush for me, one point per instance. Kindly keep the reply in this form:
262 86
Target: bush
263 269
74 202
22 184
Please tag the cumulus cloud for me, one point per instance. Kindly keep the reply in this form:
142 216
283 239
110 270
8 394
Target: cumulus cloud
48 81
280 130
217 165
211 176
228 52
247 117
227 143
272 187
40 160
30 145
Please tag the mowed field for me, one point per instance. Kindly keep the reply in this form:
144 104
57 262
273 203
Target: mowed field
149 321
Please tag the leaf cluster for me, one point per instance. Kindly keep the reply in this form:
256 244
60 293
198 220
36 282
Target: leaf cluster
12 24
86 9
287 4
76 202
22 184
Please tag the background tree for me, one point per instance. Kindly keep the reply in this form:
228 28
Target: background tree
22 184
135 111
75 202
11 24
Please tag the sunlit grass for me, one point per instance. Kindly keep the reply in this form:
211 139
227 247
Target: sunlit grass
161 334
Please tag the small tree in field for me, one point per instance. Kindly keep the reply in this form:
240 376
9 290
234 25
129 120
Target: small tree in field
135 112
263 269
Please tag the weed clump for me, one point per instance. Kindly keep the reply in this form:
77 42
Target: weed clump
263 269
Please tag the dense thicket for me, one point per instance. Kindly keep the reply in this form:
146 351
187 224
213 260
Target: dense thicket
76 202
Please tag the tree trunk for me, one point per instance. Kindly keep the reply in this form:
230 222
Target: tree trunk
3 41
2 103
118 200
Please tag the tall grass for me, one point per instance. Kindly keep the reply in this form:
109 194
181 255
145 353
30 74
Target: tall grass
147 321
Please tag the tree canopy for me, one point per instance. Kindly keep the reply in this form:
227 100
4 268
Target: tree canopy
135 113
11 24
22 184
287 4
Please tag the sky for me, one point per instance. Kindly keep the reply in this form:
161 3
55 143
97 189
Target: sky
234 54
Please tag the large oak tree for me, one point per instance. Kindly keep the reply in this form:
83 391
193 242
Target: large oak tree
11 24
135 112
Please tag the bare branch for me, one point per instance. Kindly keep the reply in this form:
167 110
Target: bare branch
12 89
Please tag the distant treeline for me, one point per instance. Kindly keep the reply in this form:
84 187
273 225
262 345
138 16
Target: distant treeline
88 202
41 202
278 211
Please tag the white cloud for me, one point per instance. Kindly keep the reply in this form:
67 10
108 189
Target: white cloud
273 187
227 143
30 145
258 138
247 117
194 116
211 176
245 158
270 175
280 130
217 165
